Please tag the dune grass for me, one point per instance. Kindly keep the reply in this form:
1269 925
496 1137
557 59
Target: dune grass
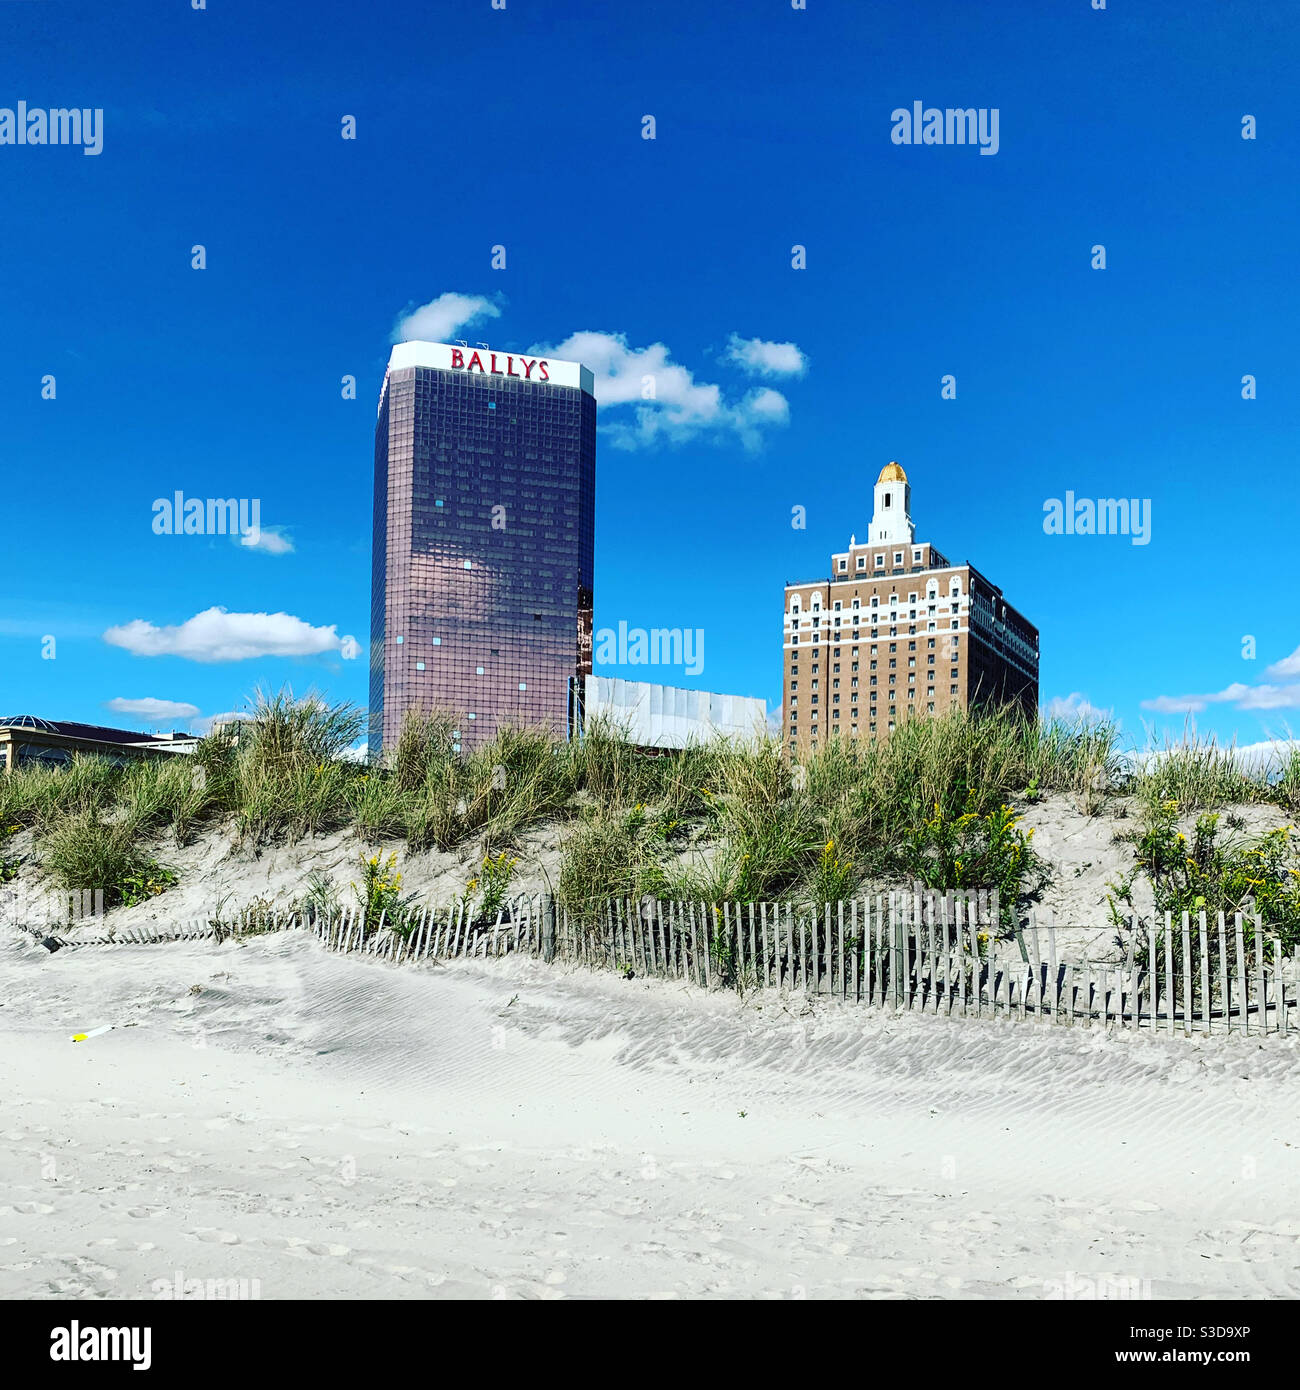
712 822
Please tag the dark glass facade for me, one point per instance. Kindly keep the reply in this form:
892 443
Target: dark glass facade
484 539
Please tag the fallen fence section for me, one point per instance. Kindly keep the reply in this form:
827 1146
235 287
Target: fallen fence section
915 951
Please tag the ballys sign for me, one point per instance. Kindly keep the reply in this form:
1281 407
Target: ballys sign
475 363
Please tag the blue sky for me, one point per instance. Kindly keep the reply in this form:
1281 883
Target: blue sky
478 127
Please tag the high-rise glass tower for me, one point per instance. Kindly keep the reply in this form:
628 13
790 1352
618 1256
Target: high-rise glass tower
484 536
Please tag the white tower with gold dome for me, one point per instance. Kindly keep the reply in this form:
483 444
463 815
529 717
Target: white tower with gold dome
892 522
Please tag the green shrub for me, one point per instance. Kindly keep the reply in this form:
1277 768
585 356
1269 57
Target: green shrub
1208 874
85 853
379 895
974 851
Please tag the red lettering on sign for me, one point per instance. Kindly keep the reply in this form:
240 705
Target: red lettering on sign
541 367
457 358
475 361
510 367
494 362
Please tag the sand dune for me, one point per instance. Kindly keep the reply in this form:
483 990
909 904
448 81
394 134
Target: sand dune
334 1127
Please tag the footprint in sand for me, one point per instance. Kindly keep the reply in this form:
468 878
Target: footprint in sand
27 1209
298 1244
214 1236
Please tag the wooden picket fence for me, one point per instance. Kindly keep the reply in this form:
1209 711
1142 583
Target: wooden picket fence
920 952
909 951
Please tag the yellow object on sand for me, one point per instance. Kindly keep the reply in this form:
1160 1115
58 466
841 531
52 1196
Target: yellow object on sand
94 1033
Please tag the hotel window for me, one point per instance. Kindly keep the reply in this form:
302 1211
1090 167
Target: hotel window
916 555
898 557
419 665
880 562
953 673
862 562
929 690
815 683
952 690
873 680
844 564
930 707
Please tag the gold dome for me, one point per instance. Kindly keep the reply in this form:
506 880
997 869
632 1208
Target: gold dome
892 473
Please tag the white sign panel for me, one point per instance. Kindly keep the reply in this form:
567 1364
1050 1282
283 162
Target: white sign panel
480 361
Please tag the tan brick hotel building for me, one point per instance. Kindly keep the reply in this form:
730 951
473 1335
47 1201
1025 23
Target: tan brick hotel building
897 631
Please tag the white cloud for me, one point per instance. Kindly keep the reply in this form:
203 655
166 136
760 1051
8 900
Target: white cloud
761 358
356 755
155 711
1075 707
270 540
1243 697
436 321
216 635
664 401
1289 666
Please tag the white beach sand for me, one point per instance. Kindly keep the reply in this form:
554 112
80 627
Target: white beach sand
334 1127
